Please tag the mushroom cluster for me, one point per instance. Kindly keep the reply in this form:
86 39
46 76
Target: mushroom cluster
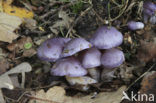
75 58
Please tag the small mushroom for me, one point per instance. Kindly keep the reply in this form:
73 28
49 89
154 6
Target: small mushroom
112 58
69 66
75 45
132 25
149 9
91 58
51 49
106 37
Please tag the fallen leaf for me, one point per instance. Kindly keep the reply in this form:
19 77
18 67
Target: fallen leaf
53 94
148 83
5 81
8 24
19 45
16 11
57 95
29 52
23 45
147 51
4 65
23 67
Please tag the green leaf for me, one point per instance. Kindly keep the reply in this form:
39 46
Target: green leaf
27 45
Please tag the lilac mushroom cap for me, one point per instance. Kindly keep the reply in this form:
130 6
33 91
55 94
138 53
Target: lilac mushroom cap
112 58
132 25
91 58
69 66
75 45
106 38
149 9
51 49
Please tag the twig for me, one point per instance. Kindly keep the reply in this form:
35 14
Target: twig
103 21
121 12
40 99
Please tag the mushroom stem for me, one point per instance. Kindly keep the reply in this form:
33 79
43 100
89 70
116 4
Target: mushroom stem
108 74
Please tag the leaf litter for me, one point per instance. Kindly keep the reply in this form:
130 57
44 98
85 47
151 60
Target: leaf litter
57 95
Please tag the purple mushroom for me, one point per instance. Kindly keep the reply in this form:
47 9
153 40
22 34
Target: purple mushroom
51 49
91 58
75 45
132 25
112 58
69 66
106 37
149 9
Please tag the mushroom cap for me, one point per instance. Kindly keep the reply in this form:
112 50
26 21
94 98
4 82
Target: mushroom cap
132 25
91 58
149 8
112 58
69 66
106 38
75 45
51 49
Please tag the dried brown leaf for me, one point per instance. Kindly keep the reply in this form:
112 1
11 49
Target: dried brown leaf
19 45
57 95
148 83
8 24
29 52
147 51
4 65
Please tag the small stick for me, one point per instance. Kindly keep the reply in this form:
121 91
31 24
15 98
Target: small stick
141 76
40 99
